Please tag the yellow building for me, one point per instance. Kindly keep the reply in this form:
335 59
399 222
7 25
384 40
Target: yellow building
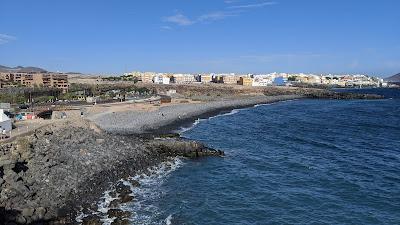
246 81
230 79
147 77
205 78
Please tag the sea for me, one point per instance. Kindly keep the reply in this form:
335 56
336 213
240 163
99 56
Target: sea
293 162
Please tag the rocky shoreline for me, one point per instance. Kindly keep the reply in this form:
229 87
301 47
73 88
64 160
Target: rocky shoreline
47 177
61 170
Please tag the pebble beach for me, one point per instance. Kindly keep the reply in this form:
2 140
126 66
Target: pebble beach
168 118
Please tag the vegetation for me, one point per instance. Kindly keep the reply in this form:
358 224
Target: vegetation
12 98
122 78
22 95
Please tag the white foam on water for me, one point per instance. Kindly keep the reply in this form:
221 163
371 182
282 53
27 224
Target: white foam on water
103 207
80 217
168 220
196 122
184 129
233 112
149 191
142 209
258 105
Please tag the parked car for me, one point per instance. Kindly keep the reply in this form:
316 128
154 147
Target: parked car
24 106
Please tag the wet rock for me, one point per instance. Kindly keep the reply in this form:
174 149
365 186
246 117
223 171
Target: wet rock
119 221
126 198
91 220
115 203
190 149
118 213
134 183
113 194
123 189
342 95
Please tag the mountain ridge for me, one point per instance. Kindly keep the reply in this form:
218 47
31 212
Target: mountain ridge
395 78
6 69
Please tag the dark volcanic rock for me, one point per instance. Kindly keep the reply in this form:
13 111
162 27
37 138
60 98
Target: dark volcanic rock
118 213
119 221
342 95
191 149
55 172
91 220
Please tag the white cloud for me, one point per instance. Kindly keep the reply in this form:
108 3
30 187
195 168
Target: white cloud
249 6
233 10
215 16
230 1
179 19
4 38
182 20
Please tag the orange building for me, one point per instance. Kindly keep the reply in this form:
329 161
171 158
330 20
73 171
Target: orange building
55 80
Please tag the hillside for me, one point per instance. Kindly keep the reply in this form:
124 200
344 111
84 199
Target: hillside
394 78
21 69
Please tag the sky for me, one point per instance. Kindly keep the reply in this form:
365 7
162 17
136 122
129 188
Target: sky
196 36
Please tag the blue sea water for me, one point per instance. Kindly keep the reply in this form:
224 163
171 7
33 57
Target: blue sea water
294 162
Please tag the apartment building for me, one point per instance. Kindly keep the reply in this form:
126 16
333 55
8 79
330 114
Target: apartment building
263 81
206 78
55 80
245 81
147 77
183 78
230 79
6 77
161 79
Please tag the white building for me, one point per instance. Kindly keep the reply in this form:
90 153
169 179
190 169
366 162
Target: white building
262 81
5 122
161 79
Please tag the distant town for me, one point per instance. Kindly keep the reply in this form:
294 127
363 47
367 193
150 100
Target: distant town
255 80
42 78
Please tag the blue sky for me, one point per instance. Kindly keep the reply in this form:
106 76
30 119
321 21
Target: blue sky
243 36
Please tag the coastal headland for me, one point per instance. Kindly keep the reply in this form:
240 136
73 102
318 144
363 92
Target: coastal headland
58 172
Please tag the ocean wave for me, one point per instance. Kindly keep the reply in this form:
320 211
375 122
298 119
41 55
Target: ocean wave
149 191
196 122
168 220
232 112
143 212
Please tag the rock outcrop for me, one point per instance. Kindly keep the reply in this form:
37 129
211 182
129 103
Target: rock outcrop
341 95
47 176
